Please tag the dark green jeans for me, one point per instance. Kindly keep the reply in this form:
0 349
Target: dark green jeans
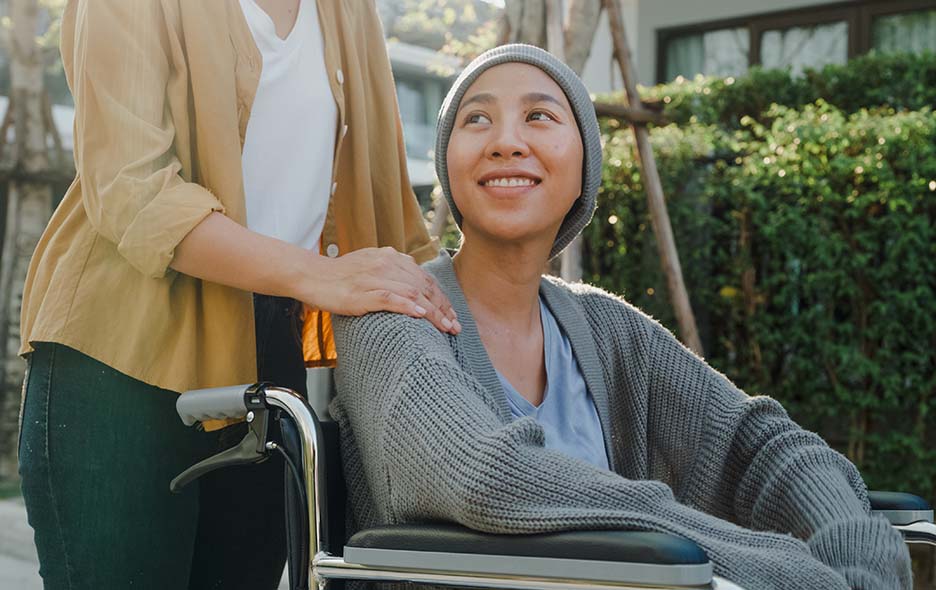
97 452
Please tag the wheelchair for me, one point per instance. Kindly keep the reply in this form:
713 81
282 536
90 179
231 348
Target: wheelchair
281 422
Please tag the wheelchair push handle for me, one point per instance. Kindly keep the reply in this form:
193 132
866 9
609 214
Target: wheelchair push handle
238 401
218 403
249 450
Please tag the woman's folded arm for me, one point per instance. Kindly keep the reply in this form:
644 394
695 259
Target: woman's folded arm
434 449
753 465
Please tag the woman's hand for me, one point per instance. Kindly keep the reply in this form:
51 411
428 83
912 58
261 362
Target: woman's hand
371 279
380 279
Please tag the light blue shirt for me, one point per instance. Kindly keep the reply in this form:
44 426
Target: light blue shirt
567 412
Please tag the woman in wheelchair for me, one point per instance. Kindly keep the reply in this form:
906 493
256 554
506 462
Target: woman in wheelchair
561 406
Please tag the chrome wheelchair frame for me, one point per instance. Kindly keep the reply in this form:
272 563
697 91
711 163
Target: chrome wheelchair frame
586 560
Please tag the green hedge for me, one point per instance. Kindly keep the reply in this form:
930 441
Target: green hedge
805 232
900 81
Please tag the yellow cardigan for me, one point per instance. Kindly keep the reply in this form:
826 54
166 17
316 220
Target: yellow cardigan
163 91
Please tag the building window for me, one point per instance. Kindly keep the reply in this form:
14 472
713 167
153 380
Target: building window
713 53
913 32
415 98
802 38
799 48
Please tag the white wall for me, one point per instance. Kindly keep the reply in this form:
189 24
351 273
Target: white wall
660 14
642 19
601 74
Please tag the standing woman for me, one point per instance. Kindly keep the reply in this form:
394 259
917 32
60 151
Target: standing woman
220 146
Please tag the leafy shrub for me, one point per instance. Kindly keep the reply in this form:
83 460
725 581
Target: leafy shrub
900 81
804 213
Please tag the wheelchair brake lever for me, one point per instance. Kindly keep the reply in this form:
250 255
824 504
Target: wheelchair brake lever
251 449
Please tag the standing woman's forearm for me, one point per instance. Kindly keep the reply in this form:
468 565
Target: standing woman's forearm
222 251
373 279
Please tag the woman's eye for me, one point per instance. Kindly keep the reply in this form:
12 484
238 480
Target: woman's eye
540 116
476 118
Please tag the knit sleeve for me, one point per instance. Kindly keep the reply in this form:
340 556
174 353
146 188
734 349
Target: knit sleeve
433 448
755 466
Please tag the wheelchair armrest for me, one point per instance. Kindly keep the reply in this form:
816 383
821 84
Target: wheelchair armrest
901 508
635 557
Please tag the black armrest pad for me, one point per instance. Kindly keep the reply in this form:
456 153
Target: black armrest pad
897 501
616 546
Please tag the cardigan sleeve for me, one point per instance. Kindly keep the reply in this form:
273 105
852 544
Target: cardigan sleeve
131 188
434 448
755 466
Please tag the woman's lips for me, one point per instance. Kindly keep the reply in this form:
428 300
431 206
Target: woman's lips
501 190
509 174
508 183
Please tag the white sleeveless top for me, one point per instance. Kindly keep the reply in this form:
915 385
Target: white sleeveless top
290 142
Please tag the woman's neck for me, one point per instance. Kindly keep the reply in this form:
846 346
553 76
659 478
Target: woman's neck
501 284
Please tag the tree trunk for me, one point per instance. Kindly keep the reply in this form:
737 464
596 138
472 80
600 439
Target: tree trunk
527 23
29 205
662 229
527 20
581 25
555 39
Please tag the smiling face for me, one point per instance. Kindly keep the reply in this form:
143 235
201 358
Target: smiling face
514 157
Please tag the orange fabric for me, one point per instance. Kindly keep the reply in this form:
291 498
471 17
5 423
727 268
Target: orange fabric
318 340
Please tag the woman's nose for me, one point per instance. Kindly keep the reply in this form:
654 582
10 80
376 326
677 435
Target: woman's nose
507 142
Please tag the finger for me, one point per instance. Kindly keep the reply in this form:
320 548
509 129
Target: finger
405 290
404 298
438 317
432 312
432 293
440 301
387 300
430 307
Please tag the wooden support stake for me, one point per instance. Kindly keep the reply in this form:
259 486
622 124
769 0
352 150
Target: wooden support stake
631 116
662 229
440 218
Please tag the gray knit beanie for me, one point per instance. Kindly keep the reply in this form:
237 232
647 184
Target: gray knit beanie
576 93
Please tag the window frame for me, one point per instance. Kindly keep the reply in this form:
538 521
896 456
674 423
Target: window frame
859 16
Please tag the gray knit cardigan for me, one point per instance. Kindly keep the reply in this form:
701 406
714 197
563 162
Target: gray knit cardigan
427 435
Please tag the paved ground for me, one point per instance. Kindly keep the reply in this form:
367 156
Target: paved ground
19 566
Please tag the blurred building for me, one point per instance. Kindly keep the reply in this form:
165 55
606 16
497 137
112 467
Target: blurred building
422 77
725 37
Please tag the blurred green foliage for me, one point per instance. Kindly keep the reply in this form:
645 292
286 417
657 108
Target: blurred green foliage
803 210
461 28
899 81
